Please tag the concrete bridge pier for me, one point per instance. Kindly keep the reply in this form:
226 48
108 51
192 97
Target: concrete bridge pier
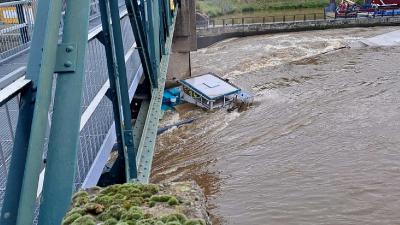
185 41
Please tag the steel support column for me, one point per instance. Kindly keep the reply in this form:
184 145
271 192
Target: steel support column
153 37
64 133
12 196
136 18
40 116
111 37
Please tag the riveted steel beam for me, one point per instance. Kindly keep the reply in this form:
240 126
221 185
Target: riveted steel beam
12 196
40 114
149 134
64 134
119 91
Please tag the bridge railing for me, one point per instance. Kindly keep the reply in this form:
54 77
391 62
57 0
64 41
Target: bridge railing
260 19
247 20
16 26
10 89
17 19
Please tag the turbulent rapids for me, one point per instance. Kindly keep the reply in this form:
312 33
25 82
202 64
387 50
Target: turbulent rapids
320 145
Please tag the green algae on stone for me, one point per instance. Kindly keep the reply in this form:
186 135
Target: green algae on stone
78 210
110 190
111 221
128 204
122 223
150 188
80 194
94 208
134 213
104 200
152 204
85 220
113 211
195 222
160 198
151 221
146 194
173 201
173 223
71 218
80 198
176 217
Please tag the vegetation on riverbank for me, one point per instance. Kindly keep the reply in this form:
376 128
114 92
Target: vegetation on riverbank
215 8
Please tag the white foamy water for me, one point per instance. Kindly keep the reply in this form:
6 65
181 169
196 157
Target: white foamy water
320 145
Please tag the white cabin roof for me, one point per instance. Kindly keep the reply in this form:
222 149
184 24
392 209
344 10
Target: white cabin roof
210 86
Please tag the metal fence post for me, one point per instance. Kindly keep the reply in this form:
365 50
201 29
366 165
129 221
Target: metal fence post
263 19
315 16
21 20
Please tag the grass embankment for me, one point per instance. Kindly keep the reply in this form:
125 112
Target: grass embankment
215 8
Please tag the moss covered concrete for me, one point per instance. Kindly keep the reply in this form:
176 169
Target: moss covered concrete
138 204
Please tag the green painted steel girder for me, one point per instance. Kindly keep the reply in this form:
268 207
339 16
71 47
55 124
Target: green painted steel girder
119 92
137 19
149 134
64 134
12 195
153 37
139 123
40 116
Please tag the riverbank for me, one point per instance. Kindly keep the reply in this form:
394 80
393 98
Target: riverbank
320 144
231 7
230 28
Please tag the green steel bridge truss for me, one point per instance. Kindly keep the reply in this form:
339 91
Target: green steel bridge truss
63 53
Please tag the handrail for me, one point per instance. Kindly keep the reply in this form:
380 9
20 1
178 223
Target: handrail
6 4
92 34
284 18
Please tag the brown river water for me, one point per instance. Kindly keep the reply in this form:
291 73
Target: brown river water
321 145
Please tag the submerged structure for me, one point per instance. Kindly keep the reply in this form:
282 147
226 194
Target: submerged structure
209 91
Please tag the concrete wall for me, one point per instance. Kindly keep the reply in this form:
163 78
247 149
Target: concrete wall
209 36
185 40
